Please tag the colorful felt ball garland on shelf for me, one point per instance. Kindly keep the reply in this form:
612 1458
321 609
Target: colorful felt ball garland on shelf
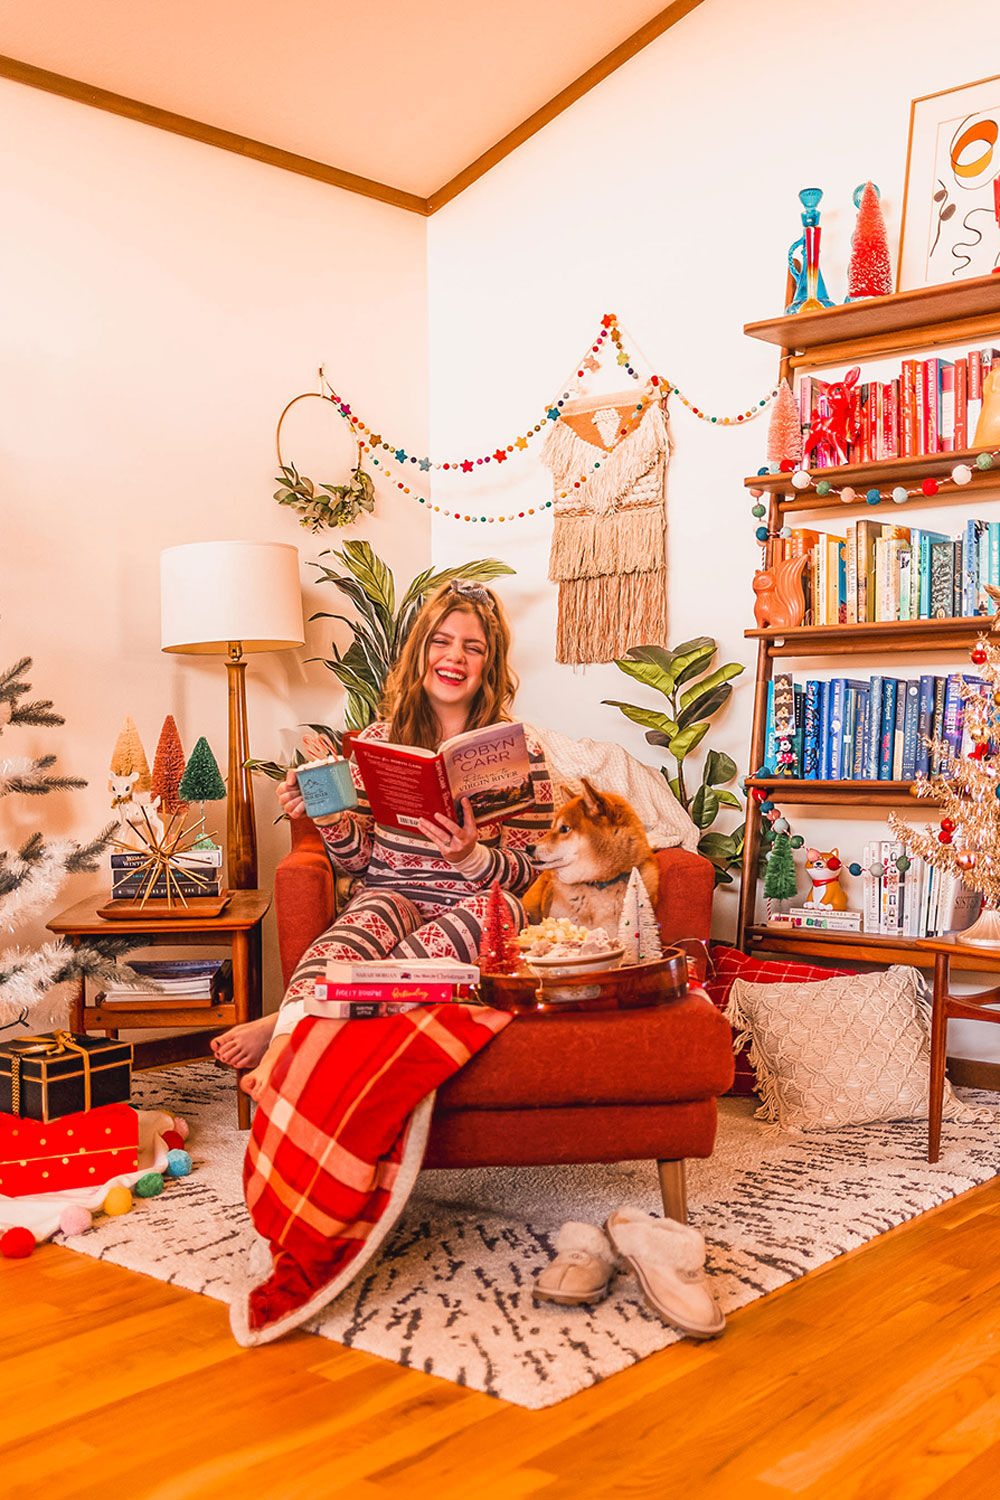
377 447
778 823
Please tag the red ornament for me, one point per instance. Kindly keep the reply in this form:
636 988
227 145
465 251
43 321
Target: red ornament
979 656
944 838
17 1243
929 486
947 825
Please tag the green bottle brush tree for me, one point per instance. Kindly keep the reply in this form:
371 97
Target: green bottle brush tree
692 698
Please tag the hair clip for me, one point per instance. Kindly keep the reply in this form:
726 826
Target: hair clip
469 590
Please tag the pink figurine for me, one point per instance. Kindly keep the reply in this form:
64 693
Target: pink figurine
843 424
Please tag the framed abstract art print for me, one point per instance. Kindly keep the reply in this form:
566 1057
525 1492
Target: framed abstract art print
949 226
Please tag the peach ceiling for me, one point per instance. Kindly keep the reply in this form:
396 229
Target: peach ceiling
408 93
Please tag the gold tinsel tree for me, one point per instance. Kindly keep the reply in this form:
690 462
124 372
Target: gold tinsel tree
966 842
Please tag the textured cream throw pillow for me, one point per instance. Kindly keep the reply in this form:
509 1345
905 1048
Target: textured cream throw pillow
841 1051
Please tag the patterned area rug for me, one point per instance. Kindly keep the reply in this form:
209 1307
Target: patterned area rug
451 1292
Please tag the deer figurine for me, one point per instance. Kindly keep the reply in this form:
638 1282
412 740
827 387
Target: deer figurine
843 423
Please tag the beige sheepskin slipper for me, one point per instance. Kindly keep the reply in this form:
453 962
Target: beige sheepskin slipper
582 1269
669 1260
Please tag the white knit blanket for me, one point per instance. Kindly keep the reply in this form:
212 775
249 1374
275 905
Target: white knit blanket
613 769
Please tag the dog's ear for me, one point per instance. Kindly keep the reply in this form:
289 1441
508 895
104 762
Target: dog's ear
592 800
560 795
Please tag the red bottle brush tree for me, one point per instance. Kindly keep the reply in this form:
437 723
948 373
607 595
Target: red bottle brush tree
869 273
498 951
168 768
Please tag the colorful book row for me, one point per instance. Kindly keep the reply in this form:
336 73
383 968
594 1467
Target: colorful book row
849 729
931 406
879 571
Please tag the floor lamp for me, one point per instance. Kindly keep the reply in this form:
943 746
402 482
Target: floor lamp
224 599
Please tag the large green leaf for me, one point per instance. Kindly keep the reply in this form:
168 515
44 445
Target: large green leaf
688 664
704 809
649 673
728 799
703 707
659 656
718 768
719 846
648 717
371 572
682 744
708 684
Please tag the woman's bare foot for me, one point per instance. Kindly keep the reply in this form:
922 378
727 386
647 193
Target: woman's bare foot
254 1083
243 1046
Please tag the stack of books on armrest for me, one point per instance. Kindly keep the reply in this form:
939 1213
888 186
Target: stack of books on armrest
361 991
180 981
195 873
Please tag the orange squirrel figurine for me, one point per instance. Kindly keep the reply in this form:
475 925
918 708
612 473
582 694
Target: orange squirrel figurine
824 872
780 597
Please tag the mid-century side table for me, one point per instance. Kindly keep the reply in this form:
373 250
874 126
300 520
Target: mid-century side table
238 928
949 1007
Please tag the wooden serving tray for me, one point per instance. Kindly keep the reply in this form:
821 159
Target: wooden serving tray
631 987
197 908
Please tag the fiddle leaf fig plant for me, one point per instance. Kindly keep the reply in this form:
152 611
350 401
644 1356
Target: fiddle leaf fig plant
693 694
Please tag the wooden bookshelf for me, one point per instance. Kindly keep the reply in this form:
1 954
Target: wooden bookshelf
928 317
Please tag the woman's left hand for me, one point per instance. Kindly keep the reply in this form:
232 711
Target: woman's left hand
454 841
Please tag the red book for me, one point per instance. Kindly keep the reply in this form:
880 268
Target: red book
387 994
920 404
907 408
490 766
961 404
78 1150
892 419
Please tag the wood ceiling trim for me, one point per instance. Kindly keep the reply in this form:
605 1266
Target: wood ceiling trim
609 64
226 140
209 135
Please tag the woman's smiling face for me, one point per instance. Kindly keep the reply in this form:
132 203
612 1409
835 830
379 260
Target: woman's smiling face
456 657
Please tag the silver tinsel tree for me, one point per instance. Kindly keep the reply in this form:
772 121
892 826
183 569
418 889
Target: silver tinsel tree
31 876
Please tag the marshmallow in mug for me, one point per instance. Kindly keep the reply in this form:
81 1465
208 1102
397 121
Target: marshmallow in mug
327 786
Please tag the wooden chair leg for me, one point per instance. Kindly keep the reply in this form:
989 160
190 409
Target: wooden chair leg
674 1190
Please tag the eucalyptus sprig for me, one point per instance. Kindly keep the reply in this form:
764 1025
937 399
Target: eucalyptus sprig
339 506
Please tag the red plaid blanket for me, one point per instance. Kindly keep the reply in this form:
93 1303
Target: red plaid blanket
337 1141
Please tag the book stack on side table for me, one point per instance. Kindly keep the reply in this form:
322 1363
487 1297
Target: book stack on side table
193 982
195 873
360 991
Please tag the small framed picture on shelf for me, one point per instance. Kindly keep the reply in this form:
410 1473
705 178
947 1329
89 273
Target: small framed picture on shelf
949 229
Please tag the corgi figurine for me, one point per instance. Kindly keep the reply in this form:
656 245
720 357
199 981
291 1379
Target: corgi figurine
824 870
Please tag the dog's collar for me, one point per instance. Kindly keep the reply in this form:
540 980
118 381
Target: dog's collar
602 885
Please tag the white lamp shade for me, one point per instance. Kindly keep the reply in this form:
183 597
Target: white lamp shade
215 593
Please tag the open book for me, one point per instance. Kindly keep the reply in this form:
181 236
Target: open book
490 766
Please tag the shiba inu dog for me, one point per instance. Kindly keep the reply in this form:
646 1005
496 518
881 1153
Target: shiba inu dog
586 857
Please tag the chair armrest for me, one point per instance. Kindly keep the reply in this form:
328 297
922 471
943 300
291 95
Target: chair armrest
684 904
303 894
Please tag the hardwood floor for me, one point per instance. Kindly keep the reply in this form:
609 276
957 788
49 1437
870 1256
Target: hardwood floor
876 1378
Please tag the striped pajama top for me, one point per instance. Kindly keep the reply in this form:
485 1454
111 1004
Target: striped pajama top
409 864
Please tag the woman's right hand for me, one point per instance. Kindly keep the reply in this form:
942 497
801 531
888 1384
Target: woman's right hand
293 806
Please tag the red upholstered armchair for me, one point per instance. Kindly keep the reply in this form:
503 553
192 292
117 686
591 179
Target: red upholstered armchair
554 1089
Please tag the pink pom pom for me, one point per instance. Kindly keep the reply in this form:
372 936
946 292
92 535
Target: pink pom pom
75 1219
17 1243
182 1127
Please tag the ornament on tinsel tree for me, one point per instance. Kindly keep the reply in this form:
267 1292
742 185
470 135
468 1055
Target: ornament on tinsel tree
784 432
869 273
32 875
780 882
498 952
966 842
168 769
638 929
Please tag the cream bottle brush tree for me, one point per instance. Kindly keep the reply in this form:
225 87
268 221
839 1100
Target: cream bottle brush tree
966 842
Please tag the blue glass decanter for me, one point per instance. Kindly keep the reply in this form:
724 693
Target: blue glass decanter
803 258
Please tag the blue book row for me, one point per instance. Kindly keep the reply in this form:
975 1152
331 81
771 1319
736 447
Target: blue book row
849 729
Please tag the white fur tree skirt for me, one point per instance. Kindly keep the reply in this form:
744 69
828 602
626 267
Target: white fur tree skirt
451 1292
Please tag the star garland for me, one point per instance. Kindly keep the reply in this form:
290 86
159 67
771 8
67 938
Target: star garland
373 443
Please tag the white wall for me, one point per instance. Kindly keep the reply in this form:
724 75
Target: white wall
669 196
162 302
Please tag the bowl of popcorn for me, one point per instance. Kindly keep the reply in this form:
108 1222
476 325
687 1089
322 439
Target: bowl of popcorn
558 948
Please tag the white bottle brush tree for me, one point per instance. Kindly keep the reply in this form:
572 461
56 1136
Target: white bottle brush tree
32 874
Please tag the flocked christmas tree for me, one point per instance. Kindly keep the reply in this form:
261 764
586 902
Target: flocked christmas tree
784 431
168 769
638 931
31 876
869 273
966 842
498 952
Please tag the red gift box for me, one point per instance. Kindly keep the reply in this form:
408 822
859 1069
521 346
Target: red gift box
80 1150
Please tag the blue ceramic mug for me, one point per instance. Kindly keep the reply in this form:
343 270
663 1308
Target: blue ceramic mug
327 787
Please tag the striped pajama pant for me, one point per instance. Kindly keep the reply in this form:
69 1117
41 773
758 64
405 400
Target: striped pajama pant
383 923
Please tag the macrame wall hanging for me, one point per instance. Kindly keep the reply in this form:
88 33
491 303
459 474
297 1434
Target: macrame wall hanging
608 552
